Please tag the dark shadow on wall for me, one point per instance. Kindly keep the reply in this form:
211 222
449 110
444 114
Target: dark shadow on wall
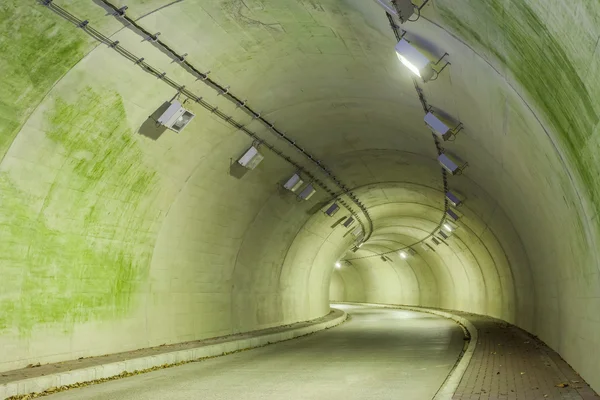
152 129
236 170
317 207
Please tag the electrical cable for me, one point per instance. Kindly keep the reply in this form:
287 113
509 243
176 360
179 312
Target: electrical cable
139 61
439 149
224 90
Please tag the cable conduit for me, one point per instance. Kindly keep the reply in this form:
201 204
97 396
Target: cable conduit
139 61
225 92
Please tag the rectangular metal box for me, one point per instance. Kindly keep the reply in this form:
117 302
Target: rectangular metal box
251 158
175 117
403 9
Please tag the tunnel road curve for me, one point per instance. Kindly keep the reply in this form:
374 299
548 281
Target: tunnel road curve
377 354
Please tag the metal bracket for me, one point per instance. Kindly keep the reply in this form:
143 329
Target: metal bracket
153 38
441 58
224 92
120 12
205 77
458 128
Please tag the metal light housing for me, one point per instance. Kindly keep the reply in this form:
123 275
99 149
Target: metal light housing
175 117
402 9
251 158
414 60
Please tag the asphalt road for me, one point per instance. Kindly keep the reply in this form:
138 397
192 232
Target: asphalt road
377 354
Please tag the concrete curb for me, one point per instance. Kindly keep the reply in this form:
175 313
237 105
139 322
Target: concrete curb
451 383
109 370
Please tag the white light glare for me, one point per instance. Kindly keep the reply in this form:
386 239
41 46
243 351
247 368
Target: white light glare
448 227
409 65
360 245
338 265
403 255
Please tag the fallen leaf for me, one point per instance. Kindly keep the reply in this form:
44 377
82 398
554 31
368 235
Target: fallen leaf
562 385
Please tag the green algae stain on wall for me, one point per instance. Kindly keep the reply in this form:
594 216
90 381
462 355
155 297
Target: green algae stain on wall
517 37
82 255
36 48
98 144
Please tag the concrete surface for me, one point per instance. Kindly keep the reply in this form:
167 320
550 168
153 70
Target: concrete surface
49 377
377 354
113 238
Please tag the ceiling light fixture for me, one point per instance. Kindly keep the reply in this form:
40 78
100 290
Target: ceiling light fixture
450 165
454 216
403 9
403 255
338 265
440 127
348 222
414 60
175 117
307 192
293 183
332 210
251 158
455 201
417 62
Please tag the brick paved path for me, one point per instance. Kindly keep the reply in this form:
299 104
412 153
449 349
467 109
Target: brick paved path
509 363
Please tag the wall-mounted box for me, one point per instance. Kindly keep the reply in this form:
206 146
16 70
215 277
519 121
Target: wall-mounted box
438 126
452 215
307 192
403 9
448 164
176 117
455 201
294 183
251 158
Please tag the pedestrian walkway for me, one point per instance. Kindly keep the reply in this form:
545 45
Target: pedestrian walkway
509 363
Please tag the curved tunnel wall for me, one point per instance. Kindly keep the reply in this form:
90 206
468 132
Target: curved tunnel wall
115 231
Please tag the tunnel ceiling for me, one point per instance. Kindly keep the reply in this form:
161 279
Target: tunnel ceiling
111 224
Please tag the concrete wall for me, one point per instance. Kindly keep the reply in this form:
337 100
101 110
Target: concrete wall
116 236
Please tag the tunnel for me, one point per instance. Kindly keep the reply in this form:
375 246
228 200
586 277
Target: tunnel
304 172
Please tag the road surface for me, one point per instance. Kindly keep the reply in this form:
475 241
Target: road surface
377 354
